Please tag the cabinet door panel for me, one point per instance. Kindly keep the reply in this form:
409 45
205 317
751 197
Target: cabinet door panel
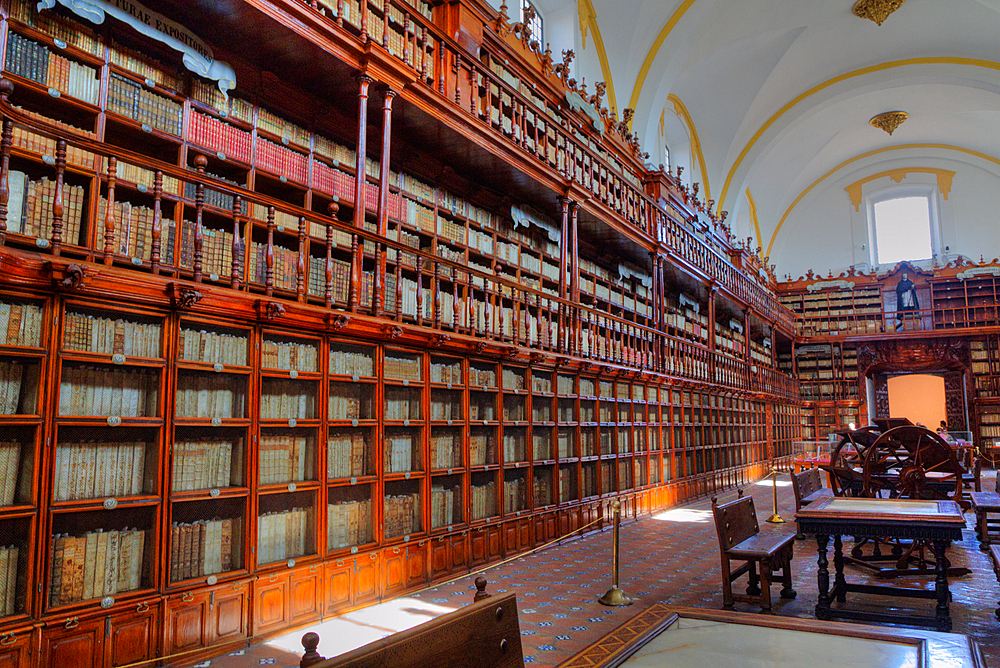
271 604
478 546
306 597
416 565
440 557
366 579
186 624
459 552
229 615
133 638
510 538
551 527
338 585
524 534
81 646
493 543
16 653
394 563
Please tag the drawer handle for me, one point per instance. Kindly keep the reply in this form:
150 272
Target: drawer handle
373 556
7 639
142 607
395 550
273 577
313 568
187 597
72 622
238 586
421 543
340 562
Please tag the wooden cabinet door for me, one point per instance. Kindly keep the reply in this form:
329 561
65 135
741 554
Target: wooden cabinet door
270 612
493 548
133 635
440 557
551 527
339 585
15 648
510 538
186 616
477 546
366 579
228 612
564 522
525 536
416 565
74 643
305 597
394 570
460 552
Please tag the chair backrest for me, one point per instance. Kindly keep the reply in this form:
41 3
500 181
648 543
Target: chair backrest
735 521
804 484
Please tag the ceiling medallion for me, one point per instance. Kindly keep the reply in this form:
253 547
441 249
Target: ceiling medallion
889 121
876 10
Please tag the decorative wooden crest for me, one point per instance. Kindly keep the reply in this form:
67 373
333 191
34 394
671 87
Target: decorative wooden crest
184 297
439 340
913 355
511 351
537 358
270 310
392 332
73 276
339 321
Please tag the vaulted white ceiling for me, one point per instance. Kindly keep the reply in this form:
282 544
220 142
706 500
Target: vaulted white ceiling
780 92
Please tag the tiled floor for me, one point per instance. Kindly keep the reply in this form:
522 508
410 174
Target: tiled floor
671 558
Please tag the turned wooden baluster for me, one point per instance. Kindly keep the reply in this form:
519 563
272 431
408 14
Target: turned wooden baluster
470 306
526 315
473 89
6 140
454 301
109 216
399 285
420 290
385 24
234 269
440 66
539 341
300 266
406 39
58 207
561 333
488 309
355 284
269 255
364 23
498 309
200 162
378 280
340 12
328 286
423 54
437 295
154 259
456 69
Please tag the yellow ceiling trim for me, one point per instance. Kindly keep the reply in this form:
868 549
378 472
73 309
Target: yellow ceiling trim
695 142
972 62
944 147
657 43
663 116
588 17
753 218
944 179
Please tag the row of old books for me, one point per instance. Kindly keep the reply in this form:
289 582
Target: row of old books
482 377
482 407
446 450
97 564
284 457
87 390
30 207
283 270
333 182
204 547
513 409
513 380
26 12
347 453
348 361
542 444
513 447
206 463
443 505
157 74
398 455
9 568
340 278
142 177
216 250
134 231
205 396
132 100
350 402
482 448
282 399
589 482
514 495
284 534
20 324
109 336
282 161
212 347
34 61
484 500
402 514
12 383
402 404
446 407
10 466
289 355
404 368
348 523
219 136
567 487
543 488
88 469
288 131
446 372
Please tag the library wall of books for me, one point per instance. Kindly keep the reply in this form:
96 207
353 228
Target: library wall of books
261 363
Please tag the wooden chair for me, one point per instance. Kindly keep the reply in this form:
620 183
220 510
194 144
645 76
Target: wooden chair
986 506
808 487
740 539
995 558
485 634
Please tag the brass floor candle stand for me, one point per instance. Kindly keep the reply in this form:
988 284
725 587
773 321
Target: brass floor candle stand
775 518
616 596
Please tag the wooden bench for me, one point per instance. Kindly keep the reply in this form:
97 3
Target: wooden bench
995 558
740 539
485 634
985 504
808 487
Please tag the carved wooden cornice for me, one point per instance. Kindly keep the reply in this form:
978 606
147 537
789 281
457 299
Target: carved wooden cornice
876 10
913 355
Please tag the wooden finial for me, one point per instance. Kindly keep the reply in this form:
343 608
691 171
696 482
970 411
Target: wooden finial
201 162
480 590
6 88
333 208
311 657
739 493
715 501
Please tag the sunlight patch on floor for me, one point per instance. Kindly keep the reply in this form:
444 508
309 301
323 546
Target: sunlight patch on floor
767 482
686 515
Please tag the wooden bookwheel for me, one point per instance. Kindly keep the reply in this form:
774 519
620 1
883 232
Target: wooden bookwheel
848 459
914 463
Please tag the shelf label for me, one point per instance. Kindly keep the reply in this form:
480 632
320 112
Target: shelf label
54 92
111 503
354 422
141 187
223 113
406 423
354 550
355 378
107 602
217 367
114 420
293 374
137 261
213 277
216 422
291 563
407 475
146 127
214 493
405 538
212 580
354 481
118 358
486 422
220 155
406 383
284 140
450 423
336 165
60 44
450 471
281 228
292 422
291 487
449 386
48 160
283 178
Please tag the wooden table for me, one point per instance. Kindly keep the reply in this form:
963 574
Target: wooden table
688 638
938 522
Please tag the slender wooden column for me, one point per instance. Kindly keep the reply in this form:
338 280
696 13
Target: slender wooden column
269 254
564 243
6 141
332 209
200 162
357 254
575 251
234 269
156 252
300 264
58 201
109 218
378 298
713 292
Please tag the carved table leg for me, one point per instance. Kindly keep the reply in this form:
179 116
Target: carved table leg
823 577
941 586
753 587
786 580
839 584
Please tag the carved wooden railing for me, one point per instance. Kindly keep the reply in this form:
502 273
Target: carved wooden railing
447 69
449 297
938 318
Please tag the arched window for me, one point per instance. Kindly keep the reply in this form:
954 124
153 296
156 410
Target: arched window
902 228
535 24
666 157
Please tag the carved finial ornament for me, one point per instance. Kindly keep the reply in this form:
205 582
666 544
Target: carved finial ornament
889 121
876 10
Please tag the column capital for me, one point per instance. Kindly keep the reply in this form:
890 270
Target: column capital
389 93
